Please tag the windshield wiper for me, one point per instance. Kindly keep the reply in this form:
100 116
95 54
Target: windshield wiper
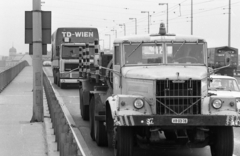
135 49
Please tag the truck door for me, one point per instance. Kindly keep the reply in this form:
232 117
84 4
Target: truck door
117 67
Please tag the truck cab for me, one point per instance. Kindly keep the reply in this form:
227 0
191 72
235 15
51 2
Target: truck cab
154 91
160 83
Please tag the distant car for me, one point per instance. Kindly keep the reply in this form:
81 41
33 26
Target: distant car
224 86
47 63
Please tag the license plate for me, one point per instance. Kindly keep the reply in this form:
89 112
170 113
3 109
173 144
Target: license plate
180 120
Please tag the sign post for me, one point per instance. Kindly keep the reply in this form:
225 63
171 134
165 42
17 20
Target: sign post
37 63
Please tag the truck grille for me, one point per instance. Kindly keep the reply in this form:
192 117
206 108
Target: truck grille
70 66
178 97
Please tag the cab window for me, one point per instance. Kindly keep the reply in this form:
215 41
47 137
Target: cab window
143 53
117 55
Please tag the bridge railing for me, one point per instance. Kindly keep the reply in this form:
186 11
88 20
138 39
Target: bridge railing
68 137
9 74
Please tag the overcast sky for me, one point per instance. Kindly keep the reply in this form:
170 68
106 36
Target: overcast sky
210 19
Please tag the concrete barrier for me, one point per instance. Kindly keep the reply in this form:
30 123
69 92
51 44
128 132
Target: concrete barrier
9 74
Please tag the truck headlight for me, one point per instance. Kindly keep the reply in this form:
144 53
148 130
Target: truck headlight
217 103
138 103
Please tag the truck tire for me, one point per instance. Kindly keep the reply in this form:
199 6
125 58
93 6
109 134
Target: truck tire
222 141
170 135
110 127
54 77
100 133
91 118
85 105
62 85
124 141
97 131
58 79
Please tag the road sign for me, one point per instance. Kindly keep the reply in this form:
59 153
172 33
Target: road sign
46 27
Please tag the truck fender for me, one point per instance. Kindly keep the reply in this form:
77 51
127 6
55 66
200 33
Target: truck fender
112 103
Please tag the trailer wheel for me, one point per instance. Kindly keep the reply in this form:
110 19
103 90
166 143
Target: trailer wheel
91 118
222 141
85 105
123 141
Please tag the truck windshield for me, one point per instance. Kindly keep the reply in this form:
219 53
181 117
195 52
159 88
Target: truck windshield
70 52
143 53
224 84
185 53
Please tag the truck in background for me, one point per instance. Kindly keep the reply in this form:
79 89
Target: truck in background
65 52
217 57
152 85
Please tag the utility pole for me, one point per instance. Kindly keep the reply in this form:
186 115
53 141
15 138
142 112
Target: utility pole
229 24
115 32
103 43
135 24
191 17
109 40
124 28
37 63
148 20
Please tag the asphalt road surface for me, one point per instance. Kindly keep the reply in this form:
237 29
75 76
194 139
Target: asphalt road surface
71 100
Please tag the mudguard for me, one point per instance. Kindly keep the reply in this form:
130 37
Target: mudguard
122 105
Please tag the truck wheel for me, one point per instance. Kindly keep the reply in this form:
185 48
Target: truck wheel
62 85
170 135
222 141
100 133
58 79
124 141
110 127
85 105
91 118
54 77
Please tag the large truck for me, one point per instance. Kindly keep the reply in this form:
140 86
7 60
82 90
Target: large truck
153 90
217 57
65 44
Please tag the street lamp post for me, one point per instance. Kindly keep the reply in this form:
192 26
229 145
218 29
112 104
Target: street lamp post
135 24
167 12
103 43
124 28
229 24
115 32
191 17
109 40
148 19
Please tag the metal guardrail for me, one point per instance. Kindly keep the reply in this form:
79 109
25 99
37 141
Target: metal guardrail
69 140
9 74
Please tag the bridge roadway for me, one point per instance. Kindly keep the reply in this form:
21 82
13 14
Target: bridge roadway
71 100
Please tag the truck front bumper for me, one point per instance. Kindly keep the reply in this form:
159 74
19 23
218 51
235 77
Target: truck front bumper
176 121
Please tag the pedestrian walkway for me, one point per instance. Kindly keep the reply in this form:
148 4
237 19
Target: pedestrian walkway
19 137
